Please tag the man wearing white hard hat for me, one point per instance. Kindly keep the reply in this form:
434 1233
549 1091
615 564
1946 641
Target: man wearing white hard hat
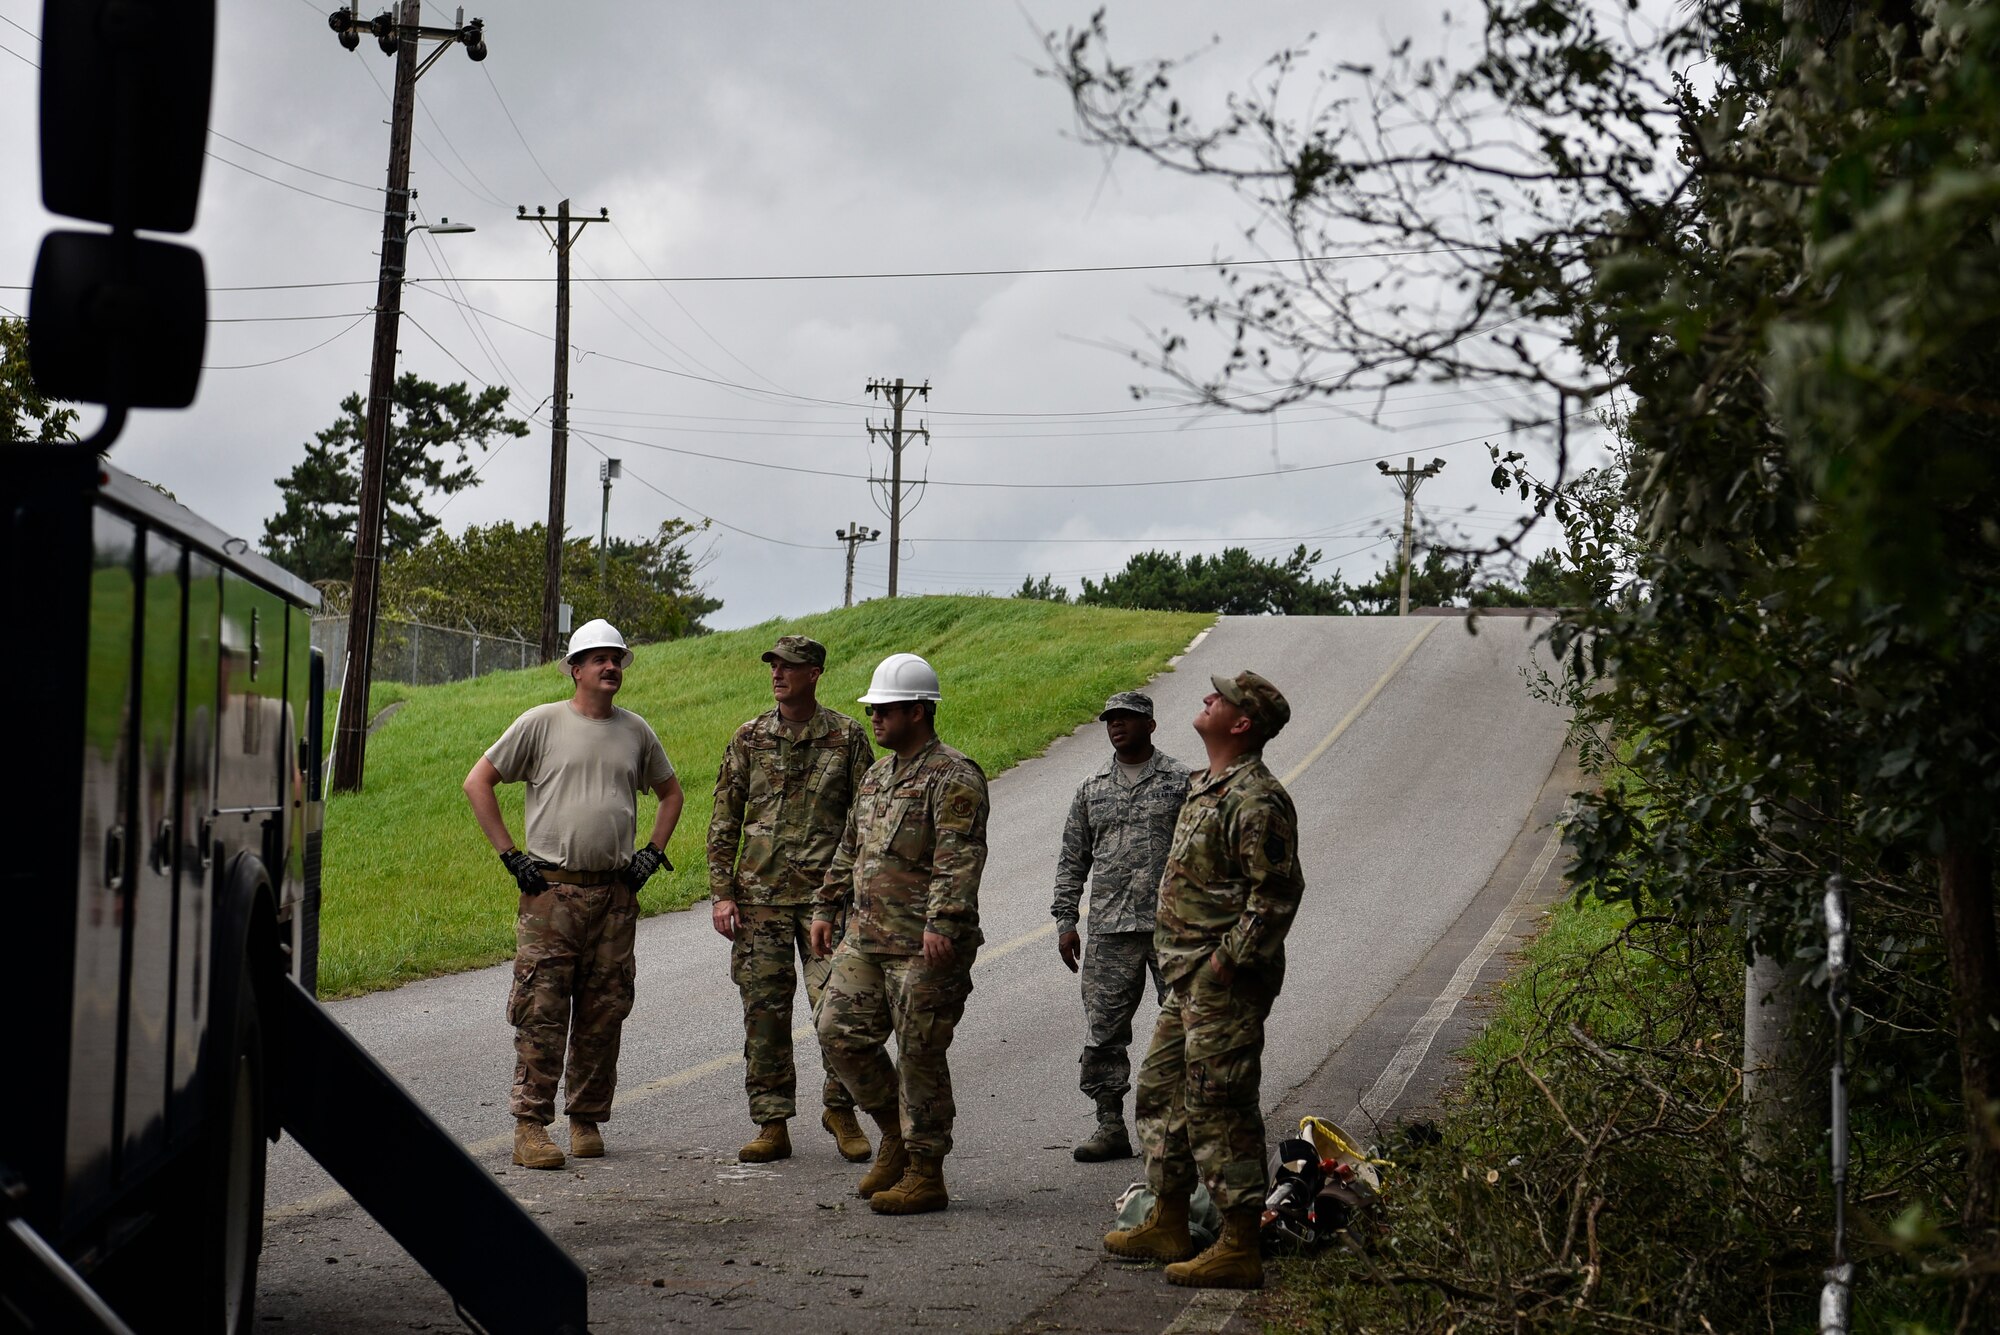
584 761
911 858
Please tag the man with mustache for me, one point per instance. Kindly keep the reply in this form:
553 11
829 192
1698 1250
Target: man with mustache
584 761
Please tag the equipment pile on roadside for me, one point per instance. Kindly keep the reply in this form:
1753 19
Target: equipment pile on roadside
1324 1186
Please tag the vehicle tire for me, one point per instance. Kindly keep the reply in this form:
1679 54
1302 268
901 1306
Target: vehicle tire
195 1267
232 1223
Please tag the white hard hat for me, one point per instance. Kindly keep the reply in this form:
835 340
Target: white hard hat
902 677
597 634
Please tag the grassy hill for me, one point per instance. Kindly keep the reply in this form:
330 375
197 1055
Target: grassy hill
412 889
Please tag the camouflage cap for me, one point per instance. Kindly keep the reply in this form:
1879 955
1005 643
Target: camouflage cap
1263 702
797 649
1129 702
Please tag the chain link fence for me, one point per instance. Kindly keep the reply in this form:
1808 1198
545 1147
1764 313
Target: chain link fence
422 654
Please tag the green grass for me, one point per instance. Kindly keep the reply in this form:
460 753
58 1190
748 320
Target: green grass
413 890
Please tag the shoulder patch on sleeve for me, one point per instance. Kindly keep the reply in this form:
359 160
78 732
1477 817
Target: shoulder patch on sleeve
958 806
1277 849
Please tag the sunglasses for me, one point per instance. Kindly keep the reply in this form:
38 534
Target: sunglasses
872 710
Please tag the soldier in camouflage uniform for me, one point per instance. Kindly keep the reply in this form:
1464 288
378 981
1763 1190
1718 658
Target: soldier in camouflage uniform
1231 889
910 859
781 800
584 761
1119 826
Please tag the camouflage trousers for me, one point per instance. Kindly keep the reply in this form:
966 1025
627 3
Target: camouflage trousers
1197 1102
871 995
760 964
573 972
1115 965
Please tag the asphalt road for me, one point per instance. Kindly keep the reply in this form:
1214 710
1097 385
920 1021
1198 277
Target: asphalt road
1419 762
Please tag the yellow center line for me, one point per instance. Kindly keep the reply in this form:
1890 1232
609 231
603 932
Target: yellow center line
714 1065
1360 705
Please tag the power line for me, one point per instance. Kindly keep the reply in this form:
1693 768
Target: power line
481 187
325 176
18 56
1340 415
885 276
245 366
587 439
344 203
281 319
668 293
517 130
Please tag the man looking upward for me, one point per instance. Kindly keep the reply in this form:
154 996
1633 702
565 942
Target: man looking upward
1228 896
1119 826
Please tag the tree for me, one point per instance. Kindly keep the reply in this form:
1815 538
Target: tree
490 577
1044 589
1780 286
24 414
1233 583
1440 579
432 432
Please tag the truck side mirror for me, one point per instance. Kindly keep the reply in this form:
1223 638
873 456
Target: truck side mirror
124 126
124 106
117 320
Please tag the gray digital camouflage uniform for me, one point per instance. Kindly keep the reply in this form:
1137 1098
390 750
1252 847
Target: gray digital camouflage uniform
1116 838
911 859
1232 887
781 805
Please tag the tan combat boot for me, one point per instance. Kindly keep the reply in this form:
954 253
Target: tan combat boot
774 1141
585 1141
1162 1237
846 1131
532 1146
920 1191
1236 1261
891 1159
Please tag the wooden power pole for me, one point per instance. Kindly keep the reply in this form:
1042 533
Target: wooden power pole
1408 478
399 36
899 397
562 238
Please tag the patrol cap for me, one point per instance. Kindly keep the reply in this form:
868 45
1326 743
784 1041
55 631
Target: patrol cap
1128 702
797 649
1263 702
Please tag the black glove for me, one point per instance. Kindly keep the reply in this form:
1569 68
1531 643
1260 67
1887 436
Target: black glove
642 866
526 873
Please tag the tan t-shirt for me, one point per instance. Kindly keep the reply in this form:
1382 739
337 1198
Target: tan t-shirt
584 776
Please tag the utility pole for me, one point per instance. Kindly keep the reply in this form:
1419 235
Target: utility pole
606 470
400 36
853 535
562 238
899 397
1408 478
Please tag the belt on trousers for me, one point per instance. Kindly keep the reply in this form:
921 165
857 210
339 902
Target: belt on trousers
562 877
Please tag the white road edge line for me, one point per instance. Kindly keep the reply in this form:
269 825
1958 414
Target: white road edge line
1207 1312
1395 1078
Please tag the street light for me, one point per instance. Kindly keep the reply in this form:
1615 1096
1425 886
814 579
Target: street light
444 227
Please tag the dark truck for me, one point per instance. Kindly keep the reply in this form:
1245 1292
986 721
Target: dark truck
162 887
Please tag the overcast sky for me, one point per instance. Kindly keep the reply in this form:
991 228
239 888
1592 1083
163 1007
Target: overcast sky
737 143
